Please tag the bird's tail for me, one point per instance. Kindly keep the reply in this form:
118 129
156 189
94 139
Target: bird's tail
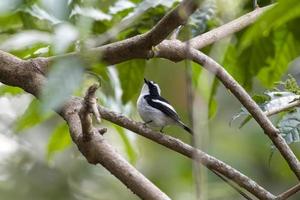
185 127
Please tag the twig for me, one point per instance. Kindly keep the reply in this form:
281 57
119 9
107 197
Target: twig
232 185
283 108
289 192
175 33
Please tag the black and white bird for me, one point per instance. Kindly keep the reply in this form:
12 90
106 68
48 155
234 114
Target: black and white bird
155 110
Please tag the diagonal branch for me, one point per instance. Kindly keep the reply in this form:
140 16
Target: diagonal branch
225 30
176 145
139 46
283 108
289 192
177 51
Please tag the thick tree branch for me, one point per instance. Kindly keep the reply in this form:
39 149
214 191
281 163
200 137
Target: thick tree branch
25 74
97 150
189 151
176 51
139 46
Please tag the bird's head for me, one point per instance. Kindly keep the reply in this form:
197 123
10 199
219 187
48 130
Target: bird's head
150 87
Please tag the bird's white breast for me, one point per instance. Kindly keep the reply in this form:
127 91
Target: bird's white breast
148 113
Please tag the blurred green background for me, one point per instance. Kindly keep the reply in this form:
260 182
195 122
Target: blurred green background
38 161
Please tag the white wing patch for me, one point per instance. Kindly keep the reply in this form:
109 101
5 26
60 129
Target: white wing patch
164 103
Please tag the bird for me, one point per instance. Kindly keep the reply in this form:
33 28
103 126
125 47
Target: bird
156 111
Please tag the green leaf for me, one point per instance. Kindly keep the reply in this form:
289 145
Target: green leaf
267 102
286 49
64 78
212 103
131 153
31 117
199 19
10 22
131 74
5 89
60 140
121 5
244 63
93 13
41 14
273 19
25 39
289 126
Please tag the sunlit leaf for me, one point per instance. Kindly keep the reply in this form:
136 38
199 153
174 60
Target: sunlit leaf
244 63
93 13
286 49
41 14
5 89
10 22
120 5
147 4
8 5
31 117
212 103
273 19
25 39
64 37
60 140
268 102
131 74
63 79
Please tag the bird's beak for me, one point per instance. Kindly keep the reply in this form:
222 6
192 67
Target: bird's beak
146 81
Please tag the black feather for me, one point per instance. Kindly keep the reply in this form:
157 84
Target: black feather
167 111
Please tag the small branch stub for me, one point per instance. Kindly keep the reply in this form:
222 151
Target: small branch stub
88 109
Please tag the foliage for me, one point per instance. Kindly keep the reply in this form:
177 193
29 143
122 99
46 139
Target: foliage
263 52
289 123
60 139
266 48
31 117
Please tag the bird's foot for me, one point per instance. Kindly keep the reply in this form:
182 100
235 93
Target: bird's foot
145 123
162 130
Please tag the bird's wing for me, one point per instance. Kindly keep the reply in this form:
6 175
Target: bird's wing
162 105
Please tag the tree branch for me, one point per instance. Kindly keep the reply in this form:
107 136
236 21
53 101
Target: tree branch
283 108
288 193
176 51
96 149
139 46
29 75
176 145
225 30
